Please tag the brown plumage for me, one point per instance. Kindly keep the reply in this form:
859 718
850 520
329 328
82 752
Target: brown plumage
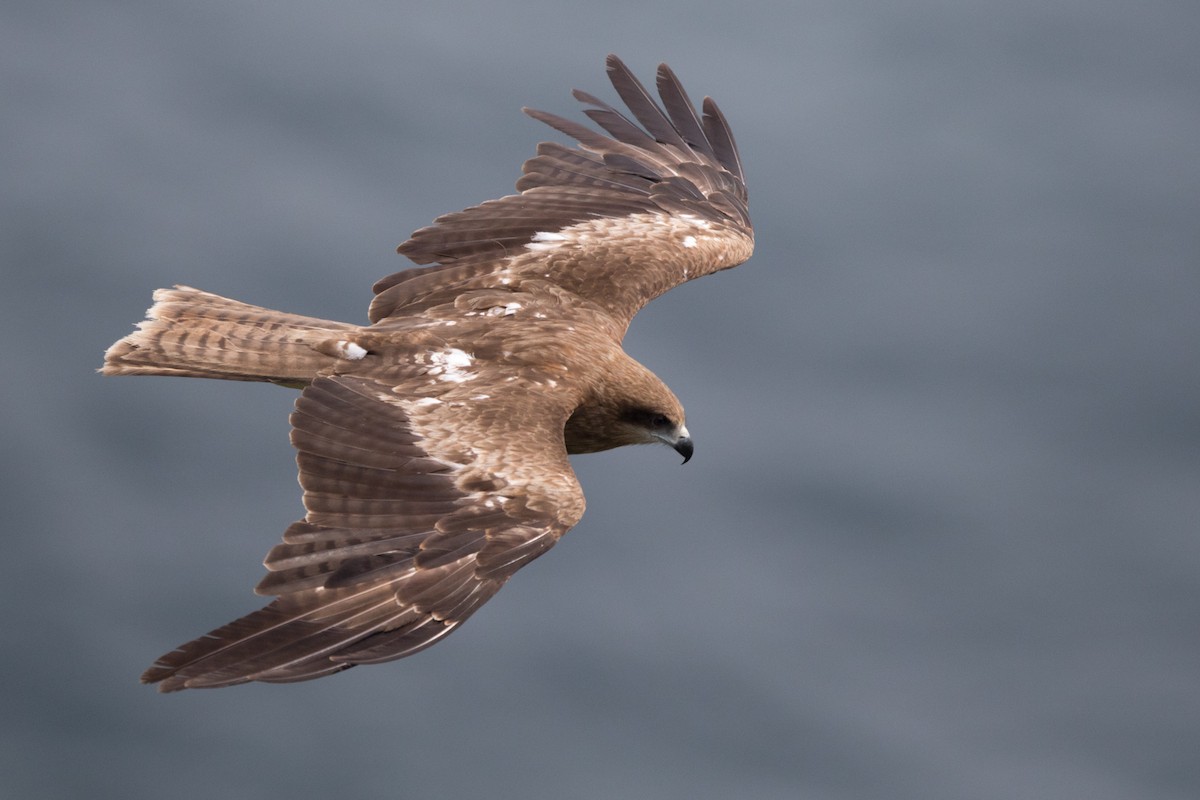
433 443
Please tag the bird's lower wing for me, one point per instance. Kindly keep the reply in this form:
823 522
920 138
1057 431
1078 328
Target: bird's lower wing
417 514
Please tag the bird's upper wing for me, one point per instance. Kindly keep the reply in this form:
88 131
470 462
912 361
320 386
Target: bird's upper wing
618 220
419 509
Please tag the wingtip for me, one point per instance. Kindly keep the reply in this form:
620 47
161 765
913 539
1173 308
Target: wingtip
162 683
614 66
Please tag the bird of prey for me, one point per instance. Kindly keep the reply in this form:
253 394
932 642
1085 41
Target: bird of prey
433 442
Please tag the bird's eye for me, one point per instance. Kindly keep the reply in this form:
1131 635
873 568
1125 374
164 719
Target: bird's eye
645 418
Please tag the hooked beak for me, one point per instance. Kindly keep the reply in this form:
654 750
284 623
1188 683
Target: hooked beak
683 446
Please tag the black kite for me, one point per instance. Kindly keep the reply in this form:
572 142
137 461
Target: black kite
433 442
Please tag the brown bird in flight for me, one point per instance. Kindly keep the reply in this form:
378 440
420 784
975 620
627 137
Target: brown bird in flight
433 443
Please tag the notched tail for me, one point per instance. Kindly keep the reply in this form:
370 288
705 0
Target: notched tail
196 334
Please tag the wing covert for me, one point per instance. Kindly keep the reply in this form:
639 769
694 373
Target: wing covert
631 212
415 519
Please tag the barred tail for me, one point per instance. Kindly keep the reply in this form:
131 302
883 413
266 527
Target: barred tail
195 334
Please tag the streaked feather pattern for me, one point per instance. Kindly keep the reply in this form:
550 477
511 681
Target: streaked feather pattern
433 444
377 566
667 164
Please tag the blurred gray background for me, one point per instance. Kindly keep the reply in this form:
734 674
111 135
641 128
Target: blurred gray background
940 537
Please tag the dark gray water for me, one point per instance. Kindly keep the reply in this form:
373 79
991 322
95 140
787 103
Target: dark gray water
941 537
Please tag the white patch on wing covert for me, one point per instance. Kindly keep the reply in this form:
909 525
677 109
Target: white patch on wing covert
506 310
545 240
451 365
350 350
689 241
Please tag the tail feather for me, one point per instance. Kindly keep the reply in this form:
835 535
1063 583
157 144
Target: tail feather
196 334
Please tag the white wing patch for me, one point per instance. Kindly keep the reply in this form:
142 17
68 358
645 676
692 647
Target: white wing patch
506 310
349 350
546 240
689 241
699 222
451 365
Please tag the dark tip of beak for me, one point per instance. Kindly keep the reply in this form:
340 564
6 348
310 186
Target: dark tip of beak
684 447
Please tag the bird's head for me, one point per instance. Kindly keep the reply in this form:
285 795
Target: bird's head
631 406
651 425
